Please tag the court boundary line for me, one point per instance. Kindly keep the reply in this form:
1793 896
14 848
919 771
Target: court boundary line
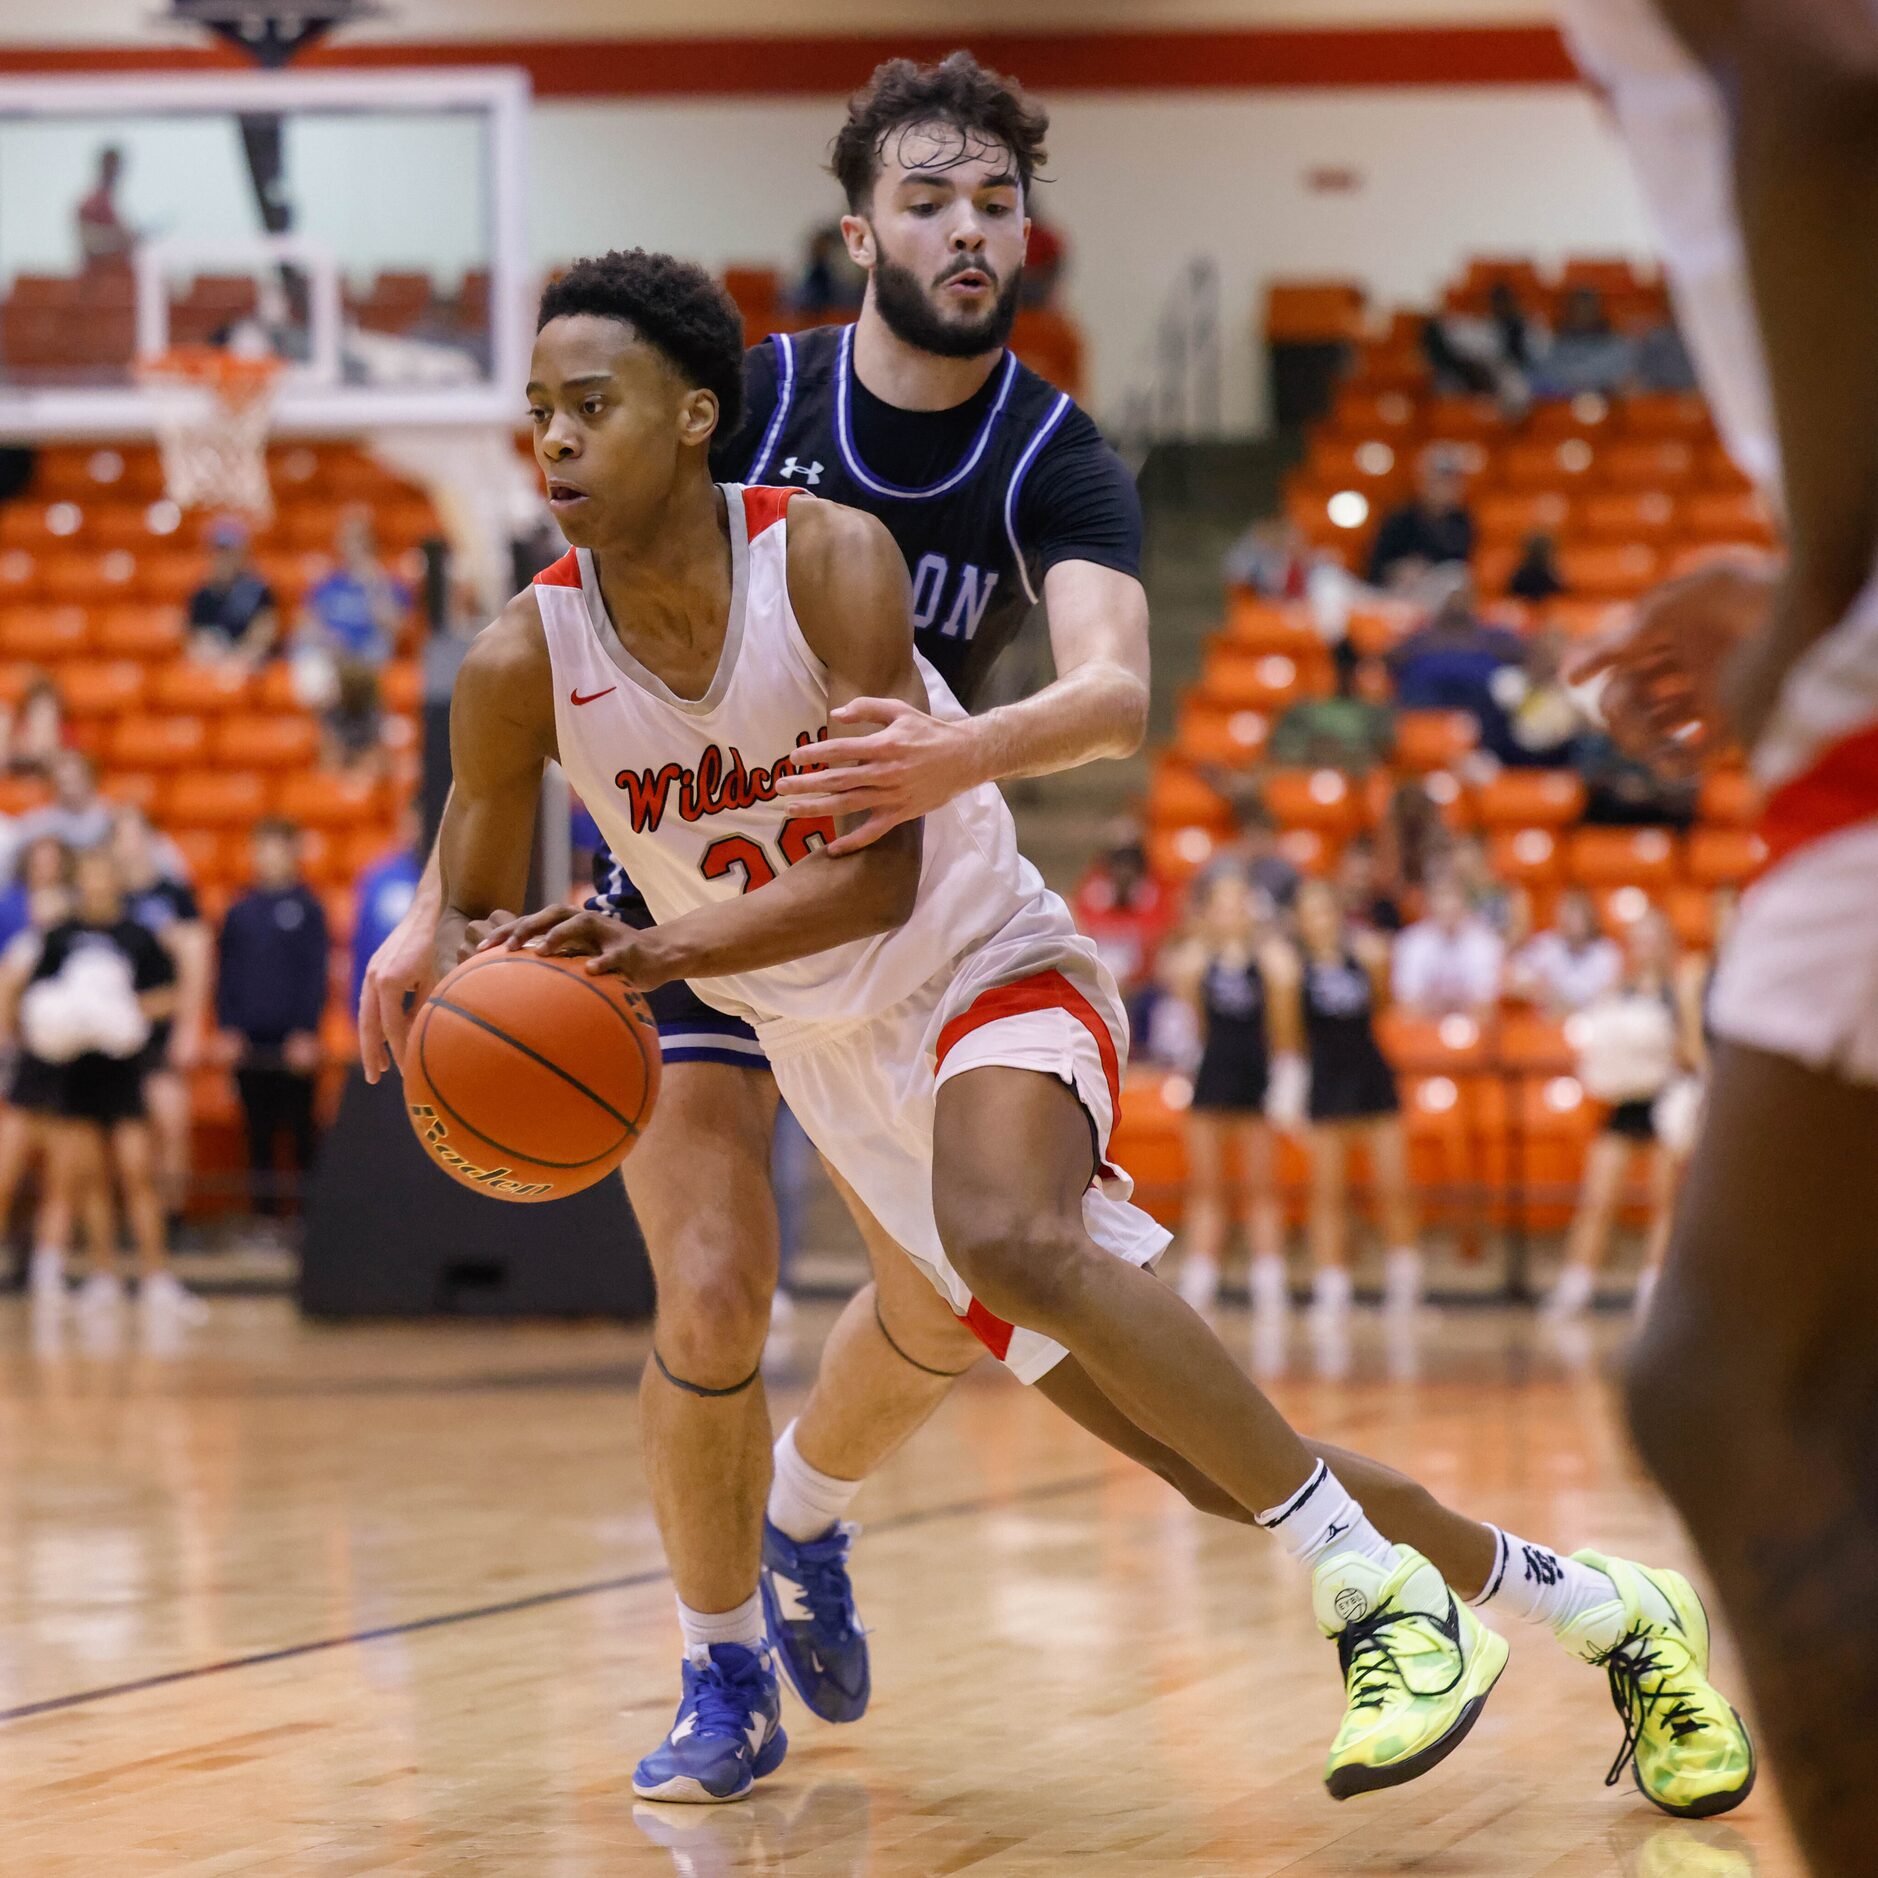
508 1607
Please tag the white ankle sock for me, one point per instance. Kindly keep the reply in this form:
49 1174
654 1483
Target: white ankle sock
803 1501
703 1628
1321 1518
1539 1585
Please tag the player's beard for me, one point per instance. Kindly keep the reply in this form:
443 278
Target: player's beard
911 317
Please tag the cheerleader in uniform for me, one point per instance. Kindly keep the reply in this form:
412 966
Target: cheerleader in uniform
1341 979
1631 1052
1228 972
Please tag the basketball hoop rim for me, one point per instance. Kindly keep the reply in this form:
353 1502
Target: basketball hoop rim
228 376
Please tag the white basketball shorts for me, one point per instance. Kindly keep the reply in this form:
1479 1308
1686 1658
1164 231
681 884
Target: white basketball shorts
865 1093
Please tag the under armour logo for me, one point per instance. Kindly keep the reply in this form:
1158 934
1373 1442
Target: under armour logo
811 473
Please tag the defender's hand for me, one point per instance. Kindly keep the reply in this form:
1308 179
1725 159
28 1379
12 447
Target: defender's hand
911 766
399 970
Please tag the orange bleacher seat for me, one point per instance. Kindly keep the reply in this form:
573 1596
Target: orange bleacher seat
1727 515
1495 563
139 632
20 794
338 904
19 576
1730 796
169 579
1724 857
201 850
1266 681
1232 739
1622 857
1178 798
1177 854
158 742
1386 414
44 635
136 788
1691 915
1434 1046
1607 570
1427 740
1626 515
365 847
215 799
323 800
1512 514
1665 463
100 687
1533 1044
278 740
1588 415
401 686
188 686
1321 799
1546 465
1530 798
1528 857
1666 414
1311 851
1463 420
1255 624
1313 311
1379 469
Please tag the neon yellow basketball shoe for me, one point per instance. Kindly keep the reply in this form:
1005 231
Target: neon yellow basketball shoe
1686 1748
1418 1667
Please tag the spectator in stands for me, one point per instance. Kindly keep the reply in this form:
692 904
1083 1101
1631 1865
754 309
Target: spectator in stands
1451 662
1490 357
1239 980
1341 981
1253 847
1662 360
233 614
29 1114
1449 962
355 613
352 727
1537 723
1411 840
105 239
1127 913
1537 576
1434 529
1629 1055
1342 731
1569 965
383 893
36 732
1586 354
1368 906
165 905
1621 792
1504 909
77 815
1273 558
830 282
270 994
1044 259
97 984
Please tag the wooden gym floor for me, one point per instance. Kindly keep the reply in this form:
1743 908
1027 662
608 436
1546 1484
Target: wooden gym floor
291 1599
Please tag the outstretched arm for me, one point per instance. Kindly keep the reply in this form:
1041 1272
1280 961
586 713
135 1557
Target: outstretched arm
848 586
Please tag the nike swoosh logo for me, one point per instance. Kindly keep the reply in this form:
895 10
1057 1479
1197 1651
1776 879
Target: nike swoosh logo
574 697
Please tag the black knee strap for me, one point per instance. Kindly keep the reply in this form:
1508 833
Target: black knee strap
925 1368
698 1388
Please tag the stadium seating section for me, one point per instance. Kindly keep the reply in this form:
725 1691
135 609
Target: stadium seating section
95 571
1633 488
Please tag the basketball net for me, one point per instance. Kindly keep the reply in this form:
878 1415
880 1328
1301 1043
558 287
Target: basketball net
211 409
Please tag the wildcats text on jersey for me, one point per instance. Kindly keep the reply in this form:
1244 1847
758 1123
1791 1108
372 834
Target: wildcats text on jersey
719 784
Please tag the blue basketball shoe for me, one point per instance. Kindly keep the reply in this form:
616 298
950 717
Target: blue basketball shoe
728 1732
808 1604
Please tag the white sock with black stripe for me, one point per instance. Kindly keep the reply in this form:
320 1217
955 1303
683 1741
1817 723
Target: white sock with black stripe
1539 1585
1321 1518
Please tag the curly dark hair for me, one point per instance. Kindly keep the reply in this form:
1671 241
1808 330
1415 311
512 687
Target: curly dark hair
673 306
957 91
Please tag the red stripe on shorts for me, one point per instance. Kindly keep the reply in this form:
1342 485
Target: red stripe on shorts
1042 991
1840 789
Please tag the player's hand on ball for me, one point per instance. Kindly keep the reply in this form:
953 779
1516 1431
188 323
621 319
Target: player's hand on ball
912 765
400 970
610 945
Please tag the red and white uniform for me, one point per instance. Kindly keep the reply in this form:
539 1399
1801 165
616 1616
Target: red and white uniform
1799 975
987 971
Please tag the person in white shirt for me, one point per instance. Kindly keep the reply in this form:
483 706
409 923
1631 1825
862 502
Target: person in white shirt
1570 964
1450 961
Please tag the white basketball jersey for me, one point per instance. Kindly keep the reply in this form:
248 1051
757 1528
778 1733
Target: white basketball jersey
1675 122
684 789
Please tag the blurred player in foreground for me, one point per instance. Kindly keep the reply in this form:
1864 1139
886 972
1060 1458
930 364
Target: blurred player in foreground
947 1040
1754 1391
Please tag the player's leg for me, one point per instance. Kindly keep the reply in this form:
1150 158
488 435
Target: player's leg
1606 1163
1754 1394
698 1180
891 1359
1264 1215
1206 1217
1013 1156
1330 1218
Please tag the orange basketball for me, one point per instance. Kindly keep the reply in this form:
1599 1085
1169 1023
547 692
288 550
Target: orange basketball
529 1078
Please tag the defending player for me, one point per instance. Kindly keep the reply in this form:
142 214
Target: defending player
1754 129
949 1043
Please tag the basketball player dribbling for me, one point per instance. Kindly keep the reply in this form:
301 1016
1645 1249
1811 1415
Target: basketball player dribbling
1753 125
949 1043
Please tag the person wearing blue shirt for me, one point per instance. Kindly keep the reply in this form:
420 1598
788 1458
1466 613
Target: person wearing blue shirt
382 895
357 609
